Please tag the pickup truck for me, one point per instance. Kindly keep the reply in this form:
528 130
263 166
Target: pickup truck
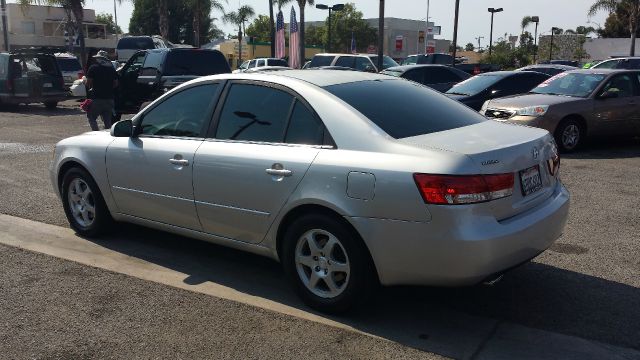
446 59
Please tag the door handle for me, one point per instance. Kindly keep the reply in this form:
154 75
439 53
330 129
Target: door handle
180 162
279 172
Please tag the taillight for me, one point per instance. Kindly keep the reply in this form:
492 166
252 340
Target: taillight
80 74
554 165
463 189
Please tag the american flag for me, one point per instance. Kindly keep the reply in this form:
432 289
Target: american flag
280 46
294 42
353 43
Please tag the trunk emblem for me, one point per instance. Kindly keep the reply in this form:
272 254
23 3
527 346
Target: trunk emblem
535 152
489 162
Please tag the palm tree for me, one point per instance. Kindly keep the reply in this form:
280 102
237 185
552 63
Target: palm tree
197 15
526 21
302 4
585 30
76 7
632 7
239 18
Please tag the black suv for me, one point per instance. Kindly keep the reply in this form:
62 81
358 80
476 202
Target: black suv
150 73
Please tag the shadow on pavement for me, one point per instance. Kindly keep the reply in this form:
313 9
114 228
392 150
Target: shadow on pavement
39 109
619 148
447 321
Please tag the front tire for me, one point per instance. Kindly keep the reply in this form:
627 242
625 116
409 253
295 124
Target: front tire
569 135
327 263
51 104
83 204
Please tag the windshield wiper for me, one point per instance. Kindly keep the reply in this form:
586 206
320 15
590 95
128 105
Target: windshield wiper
458 93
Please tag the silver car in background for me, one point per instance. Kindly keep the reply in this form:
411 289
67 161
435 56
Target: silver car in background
348 179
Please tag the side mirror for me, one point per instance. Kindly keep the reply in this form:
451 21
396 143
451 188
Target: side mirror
608 95
369 69
123 128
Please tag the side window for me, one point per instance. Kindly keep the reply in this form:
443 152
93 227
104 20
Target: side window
252 64
152 63
346 61
416 75
633 64
509 86
609 64
530 81
411 60
362 63
621 85
254 113
304 128
439 76
183 114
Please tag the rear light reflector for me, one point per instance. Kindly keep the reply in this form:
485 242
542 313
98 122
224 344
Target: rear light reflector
463 189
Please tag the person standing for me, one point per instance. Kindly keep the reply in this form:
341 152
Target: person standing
102 81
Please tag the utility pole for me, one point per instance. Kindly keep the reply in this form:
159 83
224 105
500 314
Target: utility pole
455 32
5 33
426 33
536 20
272 31
479 38
381 36
492 11
115 17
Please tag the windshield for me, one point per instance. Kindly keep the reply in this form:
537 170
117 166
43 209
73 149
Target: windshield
570 84
403 108
196 62
69 64
609 64
387 62
474 85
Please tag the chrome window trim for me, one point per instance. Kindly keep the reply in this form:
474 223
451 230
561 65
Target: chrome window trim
257 212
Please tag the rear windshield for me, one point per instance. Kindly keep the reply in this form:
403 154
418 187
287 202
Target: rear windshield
196 62
69 64
276 62
32 65
318 61
135 43
474 85
403 108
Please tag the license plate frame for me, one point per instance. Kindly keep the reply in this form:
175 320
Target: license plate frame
530 180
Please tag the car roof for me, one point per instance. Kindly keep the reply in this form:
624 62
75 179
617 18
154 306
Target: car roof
344 54
602 71
553 66
318 77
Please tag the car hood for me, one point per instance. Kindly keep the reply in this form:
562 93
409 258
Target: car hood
524 100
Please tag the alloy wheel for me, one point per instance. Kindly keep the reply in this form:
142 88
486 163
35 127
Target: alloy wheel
570 136
81 202
322 263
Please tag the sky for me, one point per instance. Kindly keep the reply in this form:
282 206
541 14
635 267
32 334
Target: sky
474 18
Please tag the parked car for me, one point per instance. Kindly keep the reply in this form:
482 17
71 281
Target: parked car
70 67
619 63
576 104
360 62
149 74
129 45
438 77
560 62
346 178
261 62
267 68
474 91
31 76
550 69
446 59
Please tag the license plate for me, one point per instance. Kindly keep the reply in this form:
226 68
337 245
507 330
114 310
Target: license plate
530 180
47 85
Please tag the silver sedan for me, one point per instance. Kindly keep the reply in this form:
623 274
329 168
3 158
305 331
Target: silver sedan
348 179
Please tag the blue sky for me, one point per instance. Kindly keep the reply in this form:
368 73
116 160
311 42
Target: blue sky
474 18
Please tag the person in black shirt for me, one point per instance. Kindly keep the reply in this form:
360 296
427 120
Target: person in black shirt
101 82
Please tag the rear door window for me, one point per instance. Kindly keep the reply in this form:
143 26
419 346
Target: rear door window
195 62
403 108
321 60
304 127
254 113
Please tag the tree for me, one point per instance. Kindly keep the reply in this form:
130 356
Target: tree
630 7
302 4
558 31
107 19
76 7
316 35
239 18
202 8
526 21
469 47
346 24
260 28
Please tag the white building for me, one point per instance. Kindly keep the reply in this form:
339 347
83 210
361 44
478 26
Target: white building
35 25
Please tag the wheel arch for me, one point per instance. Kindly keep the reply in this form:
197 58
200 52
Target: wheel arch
304 209
579 118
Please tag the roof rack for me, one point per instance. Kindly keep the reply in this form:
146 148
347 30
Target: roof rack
37 50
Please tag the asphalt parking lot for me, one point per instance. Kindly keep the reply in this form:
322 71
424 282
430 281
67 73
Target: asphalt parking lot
586 287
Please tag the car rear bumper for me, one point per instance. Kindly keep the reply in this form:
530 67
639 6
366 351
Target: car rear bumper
461 248
57 97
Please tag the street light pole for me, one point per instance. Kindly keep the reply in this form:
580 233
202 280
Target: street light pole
536 20
455 32
381 35
336 7
492 11
553 29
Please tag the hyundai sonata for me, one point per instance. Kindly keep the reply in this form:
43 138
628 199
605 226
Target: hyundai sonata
348 179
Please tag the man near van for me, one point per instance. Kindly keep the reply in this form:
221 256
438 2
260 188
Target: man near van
102 81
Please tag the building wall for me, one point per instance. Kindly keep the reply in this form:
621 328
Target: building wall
35 25
601 49
565 47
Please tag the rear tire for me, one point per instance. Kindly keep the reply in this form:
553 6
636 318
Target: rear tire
327 264
51 104
569 135
83 204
